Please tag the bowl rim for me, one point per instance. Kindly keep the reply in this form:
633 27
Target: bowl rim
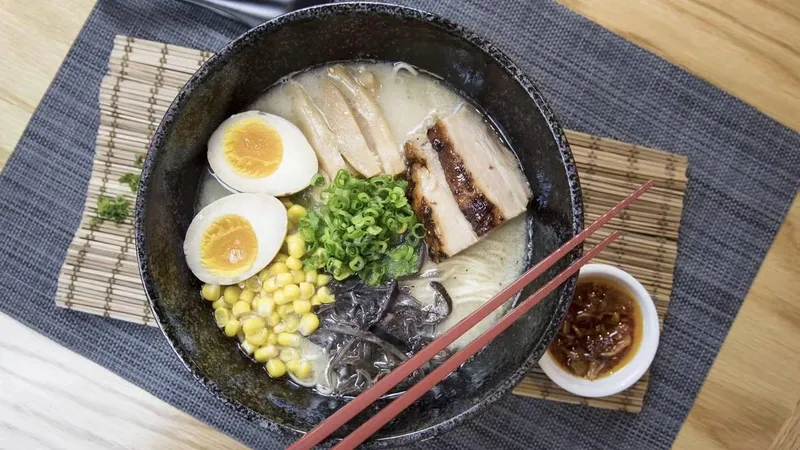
220 58
635 368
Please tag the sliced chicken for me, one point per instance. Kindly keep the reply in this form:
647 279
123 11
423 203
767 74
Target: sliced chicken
449 232
370 119
351 143
482 173
316 130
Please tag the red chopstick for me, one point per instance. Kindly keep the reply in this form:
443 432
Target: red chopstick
452 363
401 372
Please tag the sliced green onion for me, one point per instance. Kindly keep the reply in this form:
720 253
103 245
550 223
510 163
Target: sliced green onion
318 180
363 227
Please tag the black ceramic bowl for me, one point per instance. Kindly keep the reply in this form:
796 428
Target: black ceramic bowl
245 69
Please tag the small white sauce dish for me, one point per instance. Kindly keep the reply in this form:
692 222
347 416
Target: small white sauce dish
632 371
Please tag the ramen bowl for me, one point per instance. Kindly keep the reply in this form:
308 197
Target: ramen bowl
241 72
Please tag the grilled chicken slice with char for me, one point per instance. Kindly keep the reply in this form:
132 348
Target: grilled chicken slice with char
448 231
482 173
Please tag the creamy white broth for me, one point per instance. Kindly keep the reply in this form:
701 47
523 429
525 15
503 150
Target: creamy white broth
410 100
406 100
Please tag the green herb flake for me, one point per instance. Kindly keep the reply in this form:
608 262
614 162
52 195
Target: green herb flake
132 180
115 209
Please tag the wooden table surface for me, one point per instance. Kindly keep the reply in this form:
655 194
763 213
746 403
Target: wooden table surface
51 397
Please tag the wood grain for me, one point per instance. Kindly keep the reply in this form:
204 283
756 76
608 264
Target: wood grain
789 436
53 398
750 48
34 38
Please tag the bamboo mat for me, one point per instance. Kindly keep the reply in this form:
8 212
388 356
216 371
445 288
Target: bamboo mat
100 274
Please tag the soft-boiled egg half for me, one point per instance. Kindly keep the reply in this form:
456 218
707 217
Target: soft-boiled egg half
262 153
233 238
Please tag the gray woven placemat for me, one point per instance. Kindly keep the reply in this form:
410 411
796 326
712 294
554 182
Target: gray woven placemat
744 170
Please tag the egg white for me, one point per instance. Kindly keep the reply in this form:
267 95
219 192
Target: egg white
266 215
294 172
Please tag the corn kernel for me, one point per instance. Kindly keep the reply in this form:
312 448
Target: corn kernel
232 294
285 310
292 365
253 284
296 245
247 296
288 354
291 322
324 291
284 279
279 328
240 309
294 264
212 292
248 347
259 338
220 303
289 339
296 212
302 306
315 301
264 275
298 276
279 267
270 286
222 316
311 276
309 322
306 290
291 292
279 297
326 299
265 306
303 369
266 352
274 319
276 368
282 257
272 339
287 202
232 327
323 279
253 325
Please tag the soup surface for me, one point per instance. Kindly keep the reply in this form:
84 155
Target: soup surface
370 329
411 100
601 332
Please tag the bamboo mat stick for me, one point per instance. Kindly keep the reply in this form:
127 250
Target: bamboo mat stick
100 274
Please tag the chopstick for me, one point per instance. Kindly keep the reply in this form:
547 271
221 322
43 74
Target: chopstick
452 363
366 398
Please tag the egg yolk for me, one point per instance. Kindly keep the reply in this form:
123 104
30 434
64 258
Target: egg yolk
253 148
229 245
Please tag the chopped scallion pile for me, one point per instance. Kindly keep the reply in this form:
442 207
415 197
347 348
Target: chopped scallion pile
363 227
